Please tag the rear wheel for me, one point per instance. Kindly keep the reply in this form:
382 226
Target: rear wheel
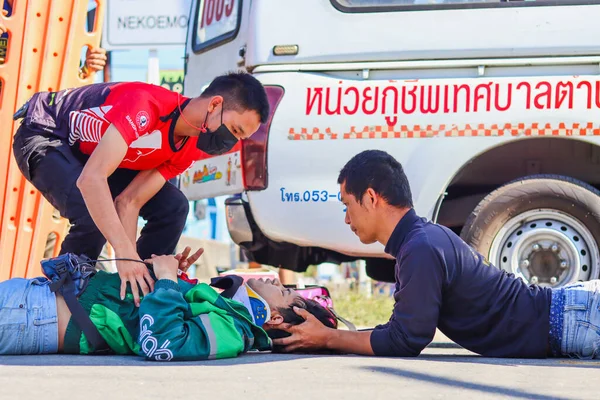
543 228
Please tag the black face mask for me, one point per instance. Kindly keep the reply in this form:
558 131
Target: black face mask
216 142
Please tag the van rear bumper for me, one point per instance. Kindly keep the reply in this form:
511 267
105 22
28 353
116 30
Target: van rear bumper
259 248
238 222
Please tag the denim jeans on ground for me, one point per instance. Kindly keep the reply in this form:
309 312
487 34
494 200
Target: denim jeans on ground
581 320
28 319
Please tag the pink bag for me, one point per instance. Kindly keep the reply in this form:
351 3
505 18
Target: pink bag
321 295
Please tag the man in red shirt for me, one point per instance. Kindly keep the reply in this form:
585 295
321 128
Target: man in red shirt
102 155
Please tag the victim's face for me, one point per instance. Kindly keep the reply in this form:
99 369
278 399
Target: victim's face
273 292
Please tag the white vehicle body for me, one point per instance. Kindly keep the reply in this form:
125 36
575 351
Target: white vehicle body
468 96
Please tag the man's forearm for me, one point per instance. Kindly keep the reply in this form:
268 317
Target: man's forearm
98 200
131 200
351 342
128 214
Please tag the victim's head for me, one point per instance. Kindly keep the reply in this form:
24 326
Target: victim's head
282 300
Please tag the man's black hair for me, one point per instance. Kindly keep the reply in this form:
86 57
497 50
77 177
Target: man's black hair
290 316
379 171
241 91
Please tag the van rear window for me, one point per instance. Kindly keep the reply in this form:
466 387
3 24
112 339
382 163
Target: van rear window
215 22
412 5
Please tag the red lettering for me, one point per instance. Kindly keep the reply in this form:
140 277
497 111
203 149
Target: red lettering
391 121
455 98
564 90
457 89
497 98
394 91
219 9
589 92
210 5
311 102
203 15
486 88
374 99
339 102
430 108
546 93
528 96
356 100
446 96
229 8
411 93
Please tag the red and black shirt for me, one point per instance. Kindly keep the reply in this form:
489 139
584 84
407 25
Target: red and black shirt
141 112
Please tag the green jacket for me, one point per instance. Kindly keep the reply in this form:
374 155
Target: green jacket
177 321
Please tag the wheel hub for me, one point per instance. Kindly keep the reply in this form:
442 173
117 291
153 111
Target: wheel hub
546 265
545 247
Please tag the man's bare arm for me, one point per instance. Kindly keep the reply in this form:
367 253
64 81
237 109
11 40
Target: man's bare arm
313 335
94 188
350 342
128 204
93 185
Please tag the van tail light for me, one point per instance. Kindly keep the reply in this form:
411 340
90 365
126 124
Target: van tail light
254 149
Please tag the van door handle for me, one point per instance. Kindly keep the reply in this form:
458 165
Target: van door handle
242 55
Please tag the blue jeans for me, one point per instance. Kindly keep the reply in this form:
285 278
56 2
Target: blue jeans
28 319
575 320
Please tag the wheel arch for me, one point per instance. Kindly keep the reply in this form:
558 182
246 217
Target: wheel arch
578 158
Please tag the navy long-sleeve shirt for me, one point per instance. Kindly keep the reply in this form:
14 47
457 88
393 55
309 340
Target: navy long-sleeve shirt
442 282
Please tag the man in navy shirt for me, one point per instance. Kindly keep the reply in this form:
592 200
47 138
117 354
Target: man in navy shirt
443 283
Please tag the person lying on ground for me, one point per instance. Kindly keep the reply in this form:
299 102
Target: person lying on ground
179 320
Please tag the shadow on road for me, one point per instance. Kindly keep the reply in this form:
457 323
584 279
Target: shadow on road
455 383
512 362
267 357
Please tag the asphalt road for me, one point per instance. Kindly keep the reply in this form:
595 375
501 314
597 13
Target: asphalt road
437 373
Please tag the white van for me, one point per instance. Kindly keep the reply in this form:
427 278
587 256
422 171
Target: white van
492 107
